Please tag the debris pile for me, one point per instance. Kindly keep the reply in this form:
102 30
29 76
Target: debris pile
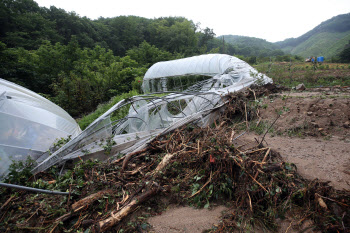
189 166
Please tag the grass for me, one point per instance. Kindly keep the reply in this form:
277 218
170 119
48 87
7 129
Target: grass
102 108
261 127
290 74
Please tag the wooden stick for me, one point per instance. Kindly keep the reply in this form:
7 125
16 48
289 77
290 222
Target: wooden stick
246 115
263 161
118 216
8 200
199 149
257 124
289 226
129 156
232 134
202 187
165 161
118 160
88 200
250 175
250 152
267 153
250 202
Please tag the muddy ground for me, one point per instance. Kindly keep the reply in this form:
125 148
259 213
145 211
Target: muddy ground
313 131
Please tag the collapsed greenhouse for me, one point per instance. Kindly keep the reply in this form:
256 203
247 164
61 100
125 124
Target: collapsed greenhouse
176 92
29 124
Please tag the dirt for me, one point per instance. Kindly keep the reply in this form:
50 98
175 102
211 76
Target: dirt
316 113
186 219
326 160
313 132
189 220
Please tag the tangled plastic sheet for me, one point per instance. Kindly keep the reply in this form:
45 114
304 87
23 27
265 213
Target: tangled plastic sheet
176 93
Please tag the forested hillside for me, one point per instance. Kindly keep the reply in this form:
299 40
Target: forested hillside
327 39
77 62
251 46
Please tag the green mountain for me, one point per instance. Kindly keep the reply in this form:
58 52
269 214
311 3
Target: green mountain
251 46
327 39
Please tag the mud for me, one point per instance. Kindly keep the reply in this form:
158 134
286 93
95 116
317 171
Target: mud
313 132
186 219
326 160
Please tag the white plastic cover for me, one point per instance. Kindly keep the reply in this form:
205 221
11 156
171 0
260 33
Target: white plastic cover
211 65
29 124
208 64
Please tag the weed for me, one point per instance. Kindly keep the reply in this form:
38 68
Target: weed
60 142
260 128
107 147
20 171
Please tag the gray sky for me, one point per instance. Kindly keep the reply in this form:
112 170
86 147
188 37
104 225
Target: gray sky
273 20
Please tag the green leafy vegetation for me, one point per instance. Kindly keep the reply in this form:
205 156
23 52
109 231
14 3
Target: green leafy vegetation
20 171
250 46
80 63
311 74
102 108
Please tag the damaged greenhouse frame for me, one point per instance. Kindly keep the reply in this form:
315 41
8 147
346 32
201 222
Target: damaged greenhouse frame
155 113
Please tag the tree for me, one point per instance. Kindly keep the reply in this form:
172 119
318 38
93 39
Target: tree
146 54
345 54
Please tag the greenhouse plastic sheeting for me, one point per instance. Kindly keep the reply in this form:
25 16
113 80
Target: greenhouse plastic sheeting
225 67
29 124
151 115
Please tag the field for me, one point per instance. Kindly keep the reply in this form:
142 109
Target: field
276 160
290 74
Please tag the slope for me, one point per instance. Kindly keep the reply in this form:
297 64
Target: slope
251 46
327 39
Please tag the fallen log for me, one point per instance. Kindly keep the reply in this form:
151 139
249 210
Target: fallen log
130 155
88 200
165 161
116 217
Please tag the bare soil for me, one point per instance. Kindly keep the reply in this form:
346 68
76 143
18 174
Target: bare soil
186 219
313 132
189 220
322 112
326 160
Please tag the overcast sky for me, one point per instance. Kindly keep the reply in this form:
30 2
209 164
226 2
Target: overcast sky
272 20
